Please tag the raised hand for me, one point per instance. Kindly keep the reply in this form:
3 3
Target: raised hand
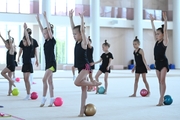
151 17
25 26
82 15
164 16
71 13
9 32
44 13
37 17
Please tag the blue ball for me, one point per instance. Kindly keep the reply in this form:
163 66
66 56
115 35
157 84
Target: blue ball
168 100
101 90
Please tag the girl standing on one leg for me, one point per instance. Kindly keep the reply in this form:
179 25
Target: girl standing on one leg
106 59
80 60
161 61
141 67
9 61
27 66
50 60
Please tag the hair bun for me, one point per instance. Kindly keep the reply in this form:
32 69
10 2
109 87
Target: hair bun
136 37
105 41
51 25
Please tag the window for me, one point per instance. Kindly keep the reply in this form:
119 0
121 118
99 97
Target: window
3 6
25 6
61 45
13 6
70 47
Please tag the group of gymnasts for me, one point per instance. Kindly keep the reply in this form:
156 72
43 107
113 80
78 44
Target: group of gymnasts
83 60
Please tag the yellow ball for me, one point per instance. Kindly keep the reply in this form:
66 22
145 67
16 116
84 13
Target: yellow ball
15 92
90 110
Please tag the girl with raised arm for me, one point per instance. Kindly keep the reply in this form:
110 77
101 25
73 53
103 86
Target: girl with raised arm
161 61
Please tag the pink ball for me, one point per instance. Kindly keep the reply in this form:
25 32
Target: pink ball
34 95
143 92
17 79
1 114
58 101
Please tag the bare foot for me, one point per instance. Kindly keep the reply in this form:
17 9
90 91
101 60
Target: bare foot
96 83
81 115
9 93
133 95
105 93
148 94
160 104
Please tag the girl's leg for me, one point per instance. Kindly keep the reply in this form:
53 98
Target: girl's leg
10 85
135 85
91 79
3 73
14 76
83 101
163 86
31 78
106 82
47 74
146 83
159 79
51 90
81 79
97 79
27 84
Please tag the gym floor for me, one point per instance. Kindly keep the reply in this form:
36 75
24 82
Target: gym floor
115 105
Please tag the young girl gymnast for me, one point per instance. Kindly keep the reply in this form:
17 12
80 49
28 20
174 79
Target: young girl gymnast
106 59
161 61
81 60
141 67
50 60
10 65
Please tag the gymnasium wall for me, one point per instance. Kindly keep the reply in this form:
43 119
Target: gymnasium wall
148 4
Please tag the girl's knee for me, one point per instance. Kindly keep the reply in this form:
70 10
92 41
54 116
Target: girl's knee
76 83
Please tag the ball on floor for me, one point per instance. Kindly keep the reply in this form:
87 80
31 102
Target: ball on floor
58 101
101 90
34 95
17 79
90 110
168 100
15 92
144 92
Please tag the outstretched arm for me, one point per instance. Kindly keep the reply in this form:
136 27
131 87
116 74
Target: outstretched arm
71 19
166 40
26 34
2 39
10 39
39 22
153 27
97 61
84 38
48 26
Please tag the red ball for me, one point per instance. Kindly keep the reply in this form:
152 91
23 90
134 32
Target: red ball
58 101
34 95
143 92
17 79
